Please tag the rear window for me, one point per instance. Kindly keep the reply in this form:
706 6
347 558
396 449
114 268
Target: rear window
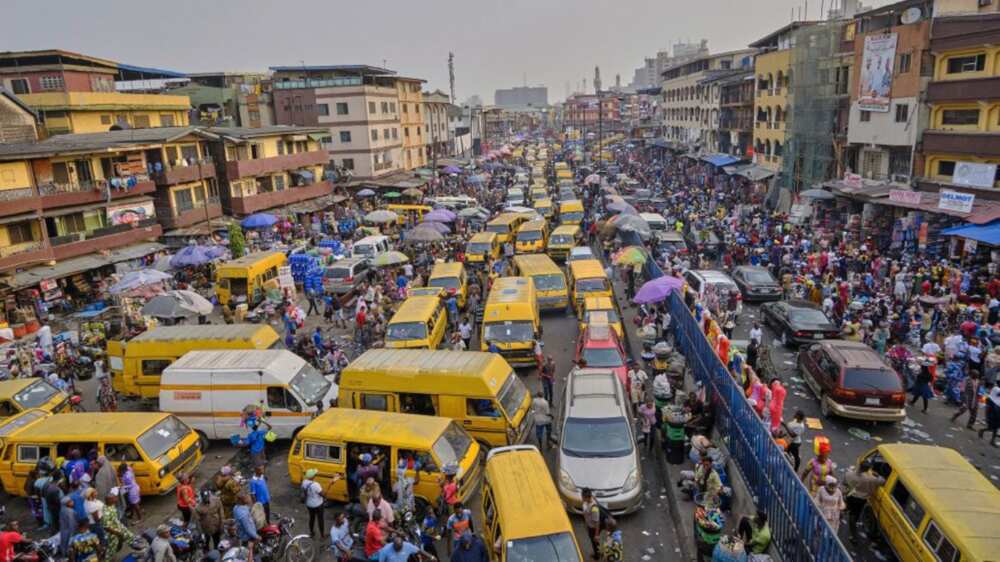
592 285
338 273
477 248
561 239
761 277
445 282
549 282
808 316
884 380
498 228
529 235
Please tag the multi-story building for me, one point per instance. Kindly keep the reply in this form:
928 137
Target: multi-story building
227 99
18 122
692 98
436 131
411 120
359 105
891 70
74 93
180 163
736 114
522 96
582 113
649 75
269 167
961 145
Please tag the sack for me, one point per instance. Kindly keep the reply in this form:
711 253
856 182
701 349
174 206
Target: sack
258 515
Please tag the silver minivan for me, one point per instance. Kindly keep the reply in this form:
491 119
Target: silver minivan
346 276
597 447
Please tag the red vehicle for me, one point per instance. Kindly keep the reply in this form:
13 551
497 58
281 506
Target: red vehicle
601 348
852 381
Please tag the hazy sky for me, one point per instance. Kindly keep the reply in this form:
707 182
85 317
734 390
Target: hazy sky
495 43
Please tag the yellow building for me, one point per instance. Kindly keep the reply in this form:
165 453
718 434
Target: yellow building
964 124
74 93
412 122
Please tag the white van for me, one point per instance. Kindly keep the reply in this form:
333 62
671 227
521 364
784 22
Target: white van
454 202
370 246
655 221
210 389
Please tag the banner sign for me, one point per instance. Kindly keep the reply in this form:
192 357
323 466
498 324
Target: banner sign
903 196
955 201
974 174
876 72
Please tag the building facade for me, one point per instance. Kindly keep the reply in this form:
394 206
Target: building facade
772 80
436 131
18 122
411 120
228 99
522 96
736 114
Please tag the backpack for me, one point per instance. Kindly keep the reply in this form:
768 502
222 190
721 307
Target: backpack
604 515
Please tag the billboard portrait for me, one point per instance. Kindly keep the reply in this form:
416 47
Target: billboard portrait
877 62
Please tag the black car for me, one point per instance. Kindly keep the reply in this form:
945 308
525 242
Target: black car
703 242
757 284
798 322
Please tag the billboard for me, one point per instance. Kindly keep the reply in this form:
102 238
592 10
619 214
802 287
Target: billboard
877 65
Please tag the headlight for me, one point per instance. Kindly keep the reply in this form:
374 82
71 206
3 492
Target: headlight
632 481
163 472
566 481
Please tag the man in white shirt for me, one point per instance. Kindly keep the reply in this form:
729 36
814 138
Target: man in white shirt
756 334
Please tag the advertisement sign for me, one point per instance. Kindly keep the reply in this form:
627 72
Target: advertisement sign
876 72
852 181
974 174
955 201
131 213
903 196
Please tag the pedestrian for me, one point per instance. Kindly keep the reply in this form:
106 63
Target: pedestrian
341 540
969 399
465 331
776 405
116 533
161 548
830 499
470 549
992 414
312 494
399 550
818 468
105 478
647 420
861 484
107 398
547 375
592 520
374 535
186 501
796 428
756 533
542 414
257 443
260 492
246 529
612 550
459 523
130 488
637 379
313 306
84 545
67 524
209 516
922 386
228 489
10 536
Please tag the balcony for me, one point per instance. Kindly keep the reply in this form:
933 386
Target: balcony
68 194
18 201
973 89
171 218
80 243
173 175
253 203
383 166
20 255
248 168
960 142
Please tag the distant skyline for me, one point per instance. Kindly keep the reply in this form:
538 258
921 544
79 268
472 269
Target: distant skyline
496 44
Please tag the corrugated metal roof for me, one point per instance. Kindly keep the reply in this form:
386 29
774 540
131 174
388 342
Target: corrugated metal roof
107 140
248 133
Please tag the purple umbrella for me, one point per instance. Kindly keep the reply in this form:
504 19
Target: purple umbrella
440 227
452 170
439 215
658 289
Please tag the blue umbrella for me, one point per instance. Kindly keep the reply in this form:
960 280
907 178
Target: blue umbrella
190 255
139 278
366 193
452 170
440 215
259 220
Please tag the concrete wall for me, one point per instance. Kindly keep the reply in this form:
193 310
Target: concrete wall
882 128
16 124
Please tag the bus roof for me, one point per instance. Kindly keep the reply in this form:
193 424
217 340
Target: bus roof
416 309
281 360
251 259
506 218
427 369
583 269
966 505
509 289
262 334
536 224
566 229
387 428
13 386
521 484
571 204
537 263
85 425
447 269
483 237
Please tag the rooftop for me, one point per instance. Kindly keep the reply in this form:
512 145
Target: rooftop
48 57
245 133
772 37
343 68
105 141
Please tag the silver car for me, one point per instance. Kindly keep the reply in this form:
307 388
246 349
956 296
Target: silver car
597 447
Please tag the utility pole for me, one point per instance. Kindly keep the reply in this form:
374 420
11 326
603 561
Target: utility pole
451 75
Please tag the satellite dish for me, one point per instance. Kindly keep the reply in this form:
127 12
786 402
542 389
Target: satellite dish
910 15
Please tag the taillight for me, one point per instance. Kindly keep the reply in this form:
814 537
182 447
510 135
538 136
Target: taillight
844 393
801 334
898 398
452 291
349 279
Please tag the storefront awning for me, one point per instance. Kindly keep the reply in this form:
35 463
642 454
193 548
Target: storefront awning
983 211
985 233
720 159
72 266
134 251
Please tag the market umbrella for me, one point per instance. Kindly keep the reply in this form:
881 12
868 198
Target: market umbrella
471 212
632 223
592 178
193 255
177 304
657 290
392 195
474 179
440 215
140 278
381 216
438 226
630 255
259 220
422 234
817 194
390 258
365 193
452 170
413 192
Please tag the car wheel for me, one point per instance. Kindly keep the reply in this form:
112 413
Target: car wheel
824 406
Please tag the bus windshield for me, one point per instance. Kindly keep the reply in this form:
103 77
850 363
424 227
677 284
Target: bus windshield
162 437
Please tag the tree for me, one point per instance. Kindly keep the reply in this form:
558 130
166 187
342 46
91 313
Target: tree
236 241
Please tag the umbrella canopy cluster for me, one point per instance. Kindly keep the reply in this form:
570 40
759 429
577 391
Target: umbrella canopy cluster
196 255
177 304
259 220
381 216
422 233
386 259
440 215
138 279
657 290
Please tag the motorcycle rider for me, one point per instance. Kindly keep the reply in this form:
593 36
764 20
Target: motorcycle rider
160 547
246 530
400 551
341 541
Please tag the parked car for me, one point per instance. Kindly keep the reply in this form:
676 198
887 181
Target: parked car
670 241
798 322
347 275
756 283
703 242
700 280
600 347
851 380
597 448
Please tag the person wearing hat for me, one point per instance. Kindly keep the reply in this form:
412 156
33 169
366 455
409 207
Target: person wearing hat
228 489
313 497
105 478
209 515
470 549
160 547
830 499
819 467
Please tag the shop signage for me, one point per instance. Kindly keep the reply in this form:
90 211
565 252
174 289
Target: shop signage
974 174
904 196
955 201
876 72
852 180
129 213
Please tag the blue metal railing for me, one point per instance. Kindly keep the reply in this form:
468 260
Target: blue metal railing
798 529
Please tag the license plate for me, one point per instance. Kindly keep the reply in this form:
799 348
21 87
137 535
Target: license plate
817 336
872 402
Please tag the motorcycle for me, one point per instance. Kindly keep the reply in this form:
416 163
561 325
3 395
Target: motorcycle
186 544
37 551
278 543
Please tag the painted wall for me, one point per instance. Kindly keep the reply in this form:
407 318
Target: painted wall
14 175
882 128
932 161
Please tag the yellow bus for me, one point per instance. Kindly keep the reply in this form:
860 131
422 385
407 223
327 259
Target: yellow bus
544 207
934 505
571 212
562 239
420 323
135 365
246 279
159 447
587 279
505 225
451 277
550 281
601 310
415 213
19 395
478 390
333 443
532 237
482 247
511 321
522 512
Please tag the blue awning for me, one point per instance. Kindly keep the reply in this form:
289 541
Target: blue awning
720 159
985 233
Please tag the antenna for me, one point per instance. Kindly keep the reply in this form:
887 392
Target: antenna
451 75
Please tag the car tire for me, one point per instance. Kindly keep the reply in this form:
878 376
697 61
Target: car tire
824 406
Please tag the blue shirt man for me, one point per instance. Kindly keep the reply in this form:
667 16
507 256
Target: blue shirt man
255 440
318 339
397 551
245 528
259 490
